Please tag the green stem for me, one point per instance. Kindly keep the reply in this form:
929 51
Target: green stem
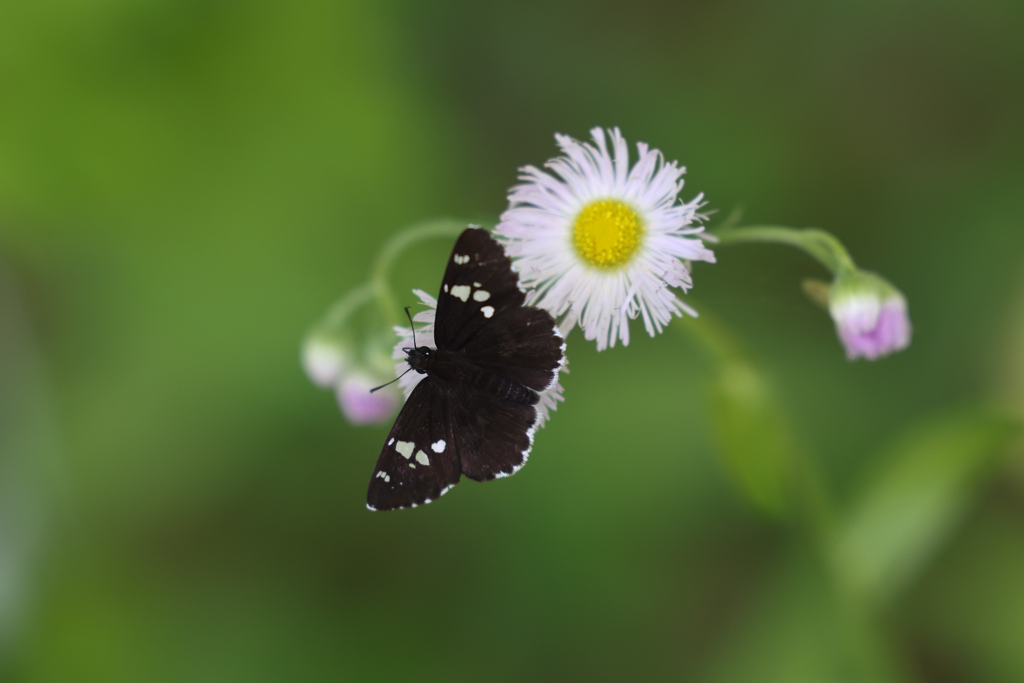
380 275
810 496
821 245
713 338
335 317
812 509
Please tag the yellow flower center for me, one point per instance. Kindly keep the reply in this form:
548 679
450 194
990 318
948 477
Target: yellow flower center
607 233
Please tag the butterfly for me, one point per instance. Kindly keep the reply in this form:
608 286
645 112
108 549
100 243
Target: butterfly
475 412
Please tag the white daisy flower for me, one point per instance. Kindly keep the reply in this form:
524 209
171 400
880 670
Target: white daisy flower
425 337
600 243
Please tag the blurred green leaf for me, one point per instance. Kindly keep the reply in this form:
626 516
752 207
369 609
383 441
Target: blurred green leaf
752 435
915 497
28 447
972 601
795 632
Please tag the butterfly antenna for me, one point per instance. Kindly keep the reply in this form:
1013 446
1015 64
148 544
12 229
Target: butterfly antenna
391 382
407 315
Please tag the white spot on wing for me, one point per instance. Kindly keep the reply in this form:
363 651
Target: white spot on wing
405 448
461 292
446 287
438 446
488 311
481 295
476 284
391 440
422 458
461 259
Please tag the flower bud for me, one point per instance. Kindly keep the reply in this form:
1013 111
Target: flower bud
361 407
870 315
324 360
349 351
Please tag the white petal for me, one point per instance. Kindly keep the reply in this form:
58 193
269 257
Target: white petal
537 228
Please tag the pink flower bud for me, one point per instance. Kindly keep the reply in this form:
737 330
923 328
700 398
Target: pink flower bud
359 406
870 315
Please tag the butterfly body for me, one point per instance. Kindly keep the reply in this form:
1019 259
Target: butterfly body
474 412
453 368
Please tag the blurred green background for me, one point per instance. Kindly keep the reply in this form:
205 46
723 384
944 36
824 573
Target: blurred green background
185 186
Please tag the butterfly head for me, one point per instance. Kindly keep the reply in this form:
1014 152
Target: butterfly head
420 358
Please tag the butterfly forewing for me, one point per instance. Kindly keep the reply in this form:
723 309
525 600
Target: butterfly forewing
418 463
478 286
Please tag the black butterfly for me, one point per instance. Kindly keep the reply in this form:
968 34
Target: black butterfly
475 411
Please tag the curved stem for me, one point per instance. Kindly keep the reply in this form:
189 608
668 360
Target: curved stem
821 245
349 303
382 265
341 309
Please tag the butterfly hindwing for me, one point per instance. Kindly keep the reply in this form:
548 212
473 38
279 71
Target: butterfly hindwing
522 344
419 462
478 286
494 436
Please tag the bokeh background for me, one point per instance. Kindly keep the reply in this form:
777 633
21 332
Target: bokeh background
186 185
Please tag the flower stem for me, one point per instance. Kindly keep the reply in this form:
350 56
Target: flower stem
339 312
821 245
811 507
381 273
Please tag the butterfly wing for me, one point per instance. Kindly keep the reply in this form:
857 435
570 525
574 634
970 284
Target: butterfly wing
523 344
494 436
419 461
478 286
444 431
450 427
480 314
